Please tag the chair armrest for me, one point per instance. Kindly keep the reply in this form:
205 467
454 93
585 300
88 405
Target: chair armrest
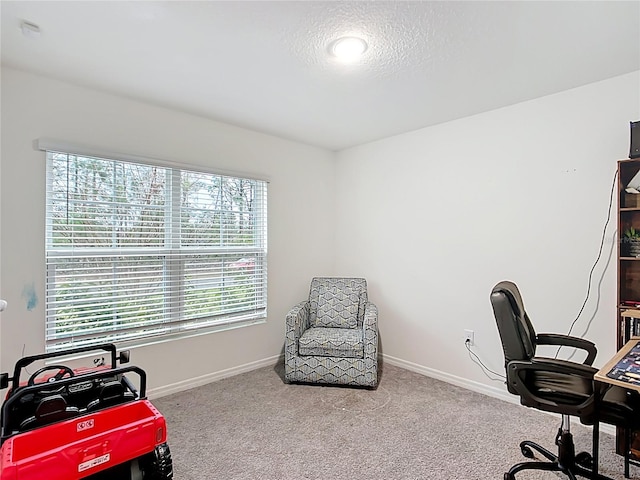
296 323
370 330
569 341
515 377
557 365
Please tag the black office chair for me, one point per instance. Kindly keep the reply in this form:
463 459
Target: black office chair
554 385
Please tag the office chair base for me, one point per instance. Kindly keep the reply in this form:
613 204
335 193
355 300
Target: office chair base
566 461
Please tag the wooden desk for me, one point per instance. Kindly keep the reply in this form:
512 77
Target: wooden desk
623 369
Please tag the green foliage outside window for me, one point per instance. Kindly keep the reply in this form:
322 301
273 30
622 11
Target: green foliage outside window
136 250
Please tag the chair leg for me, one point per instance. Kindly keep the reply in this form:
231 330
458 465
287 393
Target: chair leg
527 447
548 466
564 461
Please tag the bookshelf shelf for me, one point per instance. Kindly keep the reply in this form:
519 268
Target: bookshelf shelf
628 282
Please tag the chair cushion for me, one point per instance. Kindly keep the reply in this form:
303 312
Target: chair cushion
332 342
337 306
561 388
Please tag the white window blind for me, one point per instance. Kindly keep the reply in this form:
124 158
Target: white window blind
136 251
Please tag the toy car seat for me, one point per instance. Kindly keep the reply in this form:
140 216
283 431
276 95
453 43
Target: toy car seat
112 393
51 409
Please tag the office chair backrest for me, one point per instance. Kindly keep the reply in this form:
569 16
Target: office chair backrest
516 331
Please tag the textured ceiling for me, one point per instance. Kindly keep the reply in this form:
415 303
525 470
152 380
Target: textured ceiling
264 65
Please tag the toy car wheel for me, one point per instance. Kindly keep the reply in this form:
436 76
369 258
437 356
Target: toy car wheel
158 465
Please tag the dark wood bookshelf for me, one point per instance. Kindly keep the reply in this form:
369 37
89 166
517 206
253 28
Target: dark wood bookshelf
628 282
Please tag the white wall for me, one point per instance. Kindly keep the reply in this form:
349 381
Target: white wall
433 219
436 217
301 188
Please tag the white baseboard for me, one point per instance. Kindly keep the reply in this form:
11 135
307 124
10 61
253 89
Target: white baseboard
469 385
454 380
210 377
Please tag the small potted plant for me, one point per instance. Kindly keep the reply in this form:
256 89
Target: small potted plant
631 243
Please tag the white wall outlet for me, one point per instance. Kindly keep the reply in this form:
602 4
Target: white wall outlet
468 337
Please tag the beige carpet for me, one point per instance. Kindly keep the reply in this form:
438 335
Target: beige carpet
254 426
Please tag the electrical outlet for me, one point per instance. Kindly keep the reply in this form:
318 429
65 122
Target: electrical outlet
468 337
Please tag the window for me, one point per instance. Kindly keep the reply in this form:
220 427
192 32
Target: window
137 251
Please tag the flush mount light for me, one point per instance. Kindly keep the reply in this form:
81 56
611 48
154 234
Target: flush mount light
348 49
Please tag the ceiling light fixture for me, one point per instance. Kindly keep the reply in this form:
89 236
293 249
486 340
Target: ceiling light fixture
348 49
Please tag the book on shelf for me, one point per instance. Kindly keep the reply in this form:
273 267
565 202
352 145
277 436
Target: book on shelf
631 323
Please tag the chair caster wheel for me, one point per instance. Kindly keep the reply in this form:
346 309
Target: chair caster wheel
508 476
526 451
584 459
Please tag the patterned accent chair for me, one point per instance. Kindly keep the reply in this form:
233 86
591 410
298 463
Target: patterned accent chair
333 336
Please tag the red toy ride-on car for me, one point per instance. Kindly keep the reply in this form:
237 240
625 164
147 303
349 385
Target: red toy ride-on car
89 423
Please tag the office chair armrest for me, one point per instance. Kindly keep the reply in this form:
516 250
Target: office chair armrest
518 382
558 365
569 341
